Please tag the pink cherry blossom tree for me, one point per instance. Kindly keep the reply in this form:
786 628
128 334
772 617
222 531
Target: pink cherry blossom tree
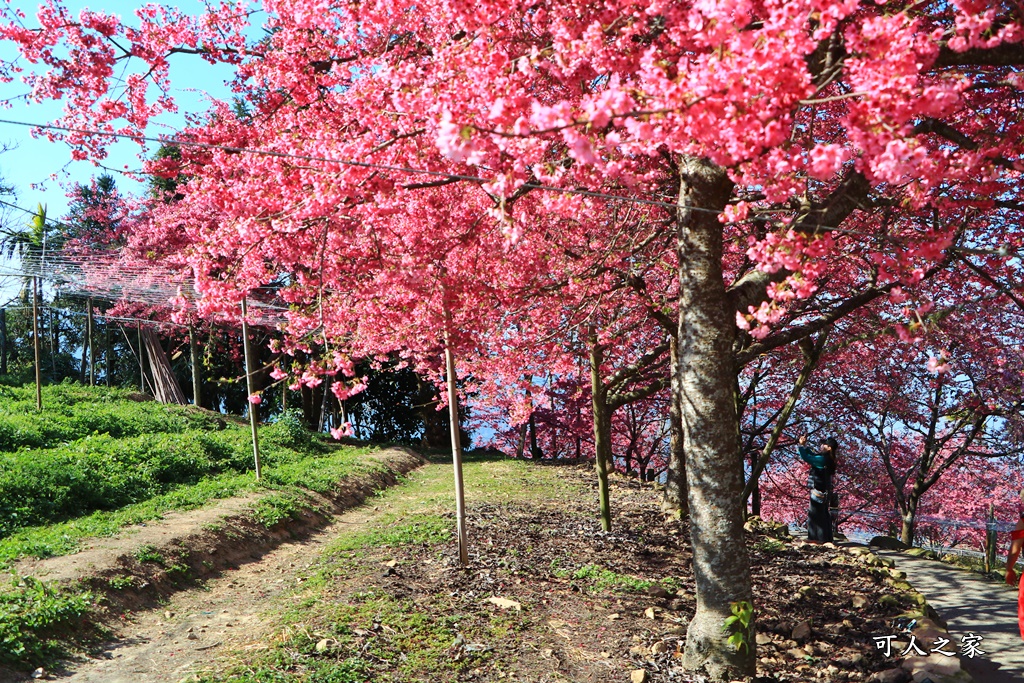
810 157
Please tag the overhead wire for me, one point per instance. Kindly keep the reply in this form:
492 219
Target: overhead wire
442 175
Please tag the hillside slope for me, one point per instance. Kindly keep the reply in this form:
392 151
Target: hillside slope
377 595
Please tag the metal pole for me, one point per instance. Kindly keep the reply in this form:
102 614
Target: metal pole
249 388
990 539
197 385
92 348
35 341
453 413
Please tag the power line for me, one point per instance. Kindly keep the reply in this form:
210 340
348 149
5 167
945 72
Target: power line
441 175
109 279
410 170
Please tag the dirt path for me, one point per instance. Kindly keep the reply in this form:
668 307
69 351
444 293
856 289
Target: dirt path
193 626
971 604
170 644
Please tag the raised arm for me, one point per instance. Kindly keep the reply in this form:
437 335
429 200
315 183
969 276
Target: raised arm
810 457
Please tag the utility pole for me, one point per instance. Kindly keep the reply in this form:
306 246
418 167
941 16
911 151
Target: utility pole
35 341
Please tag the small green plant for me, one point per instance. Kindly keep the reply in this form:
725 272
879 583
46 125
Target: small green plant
149 553
33 615
273 509
602 580
119 583
738 625
770 545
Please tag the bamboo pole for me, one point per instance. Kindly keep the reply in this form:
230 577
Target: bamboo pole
602 432
453 413
35 341
54 344
142 359
249 388
3 341
108 353
92 349
83 368
197 382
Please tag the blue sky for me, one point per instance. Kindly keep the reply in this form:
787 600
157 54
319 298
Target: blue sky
31 163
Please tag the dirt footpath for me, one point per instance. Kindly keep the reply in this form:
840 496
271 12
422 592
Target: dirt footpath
239 569
169 644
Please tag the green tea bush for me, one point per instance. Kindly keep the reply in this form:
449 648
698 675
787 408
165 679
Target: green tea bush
93 451
104 473
71 412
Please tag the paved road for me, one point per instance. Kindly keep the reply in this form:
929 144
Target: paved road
971 604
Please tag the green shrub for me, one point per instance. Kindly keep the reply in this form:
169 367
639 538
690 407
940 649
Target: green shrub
93 452
31 615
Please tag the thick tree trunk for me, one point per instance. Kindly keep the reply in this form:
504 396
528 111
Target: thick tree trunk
602 432
674 498
707 327
309 412
535 451
909 518
521 443
435 431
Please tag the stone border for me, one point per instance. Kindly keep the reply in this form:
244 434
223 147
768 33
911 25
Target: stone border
930 626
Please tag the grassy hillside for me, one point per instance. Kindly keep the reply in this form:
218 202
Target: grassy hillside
96 459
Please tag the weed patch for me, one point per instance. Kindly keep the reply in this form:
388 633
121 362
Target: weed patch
33 616
600 580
